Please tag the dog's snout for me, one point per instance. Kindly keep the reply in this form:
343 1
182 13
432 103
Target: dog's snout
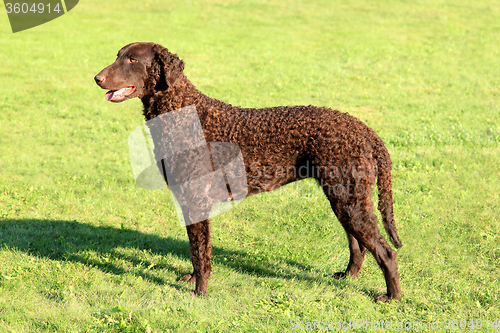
99 79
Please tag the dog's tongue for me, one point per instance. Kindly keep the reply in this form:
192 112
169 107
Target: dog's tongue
109 95
119 95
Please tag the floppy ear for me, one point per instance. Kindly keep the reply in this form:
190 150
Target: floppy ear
169 67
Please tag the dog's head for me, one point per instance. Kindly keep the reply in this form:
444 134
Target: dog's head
139 70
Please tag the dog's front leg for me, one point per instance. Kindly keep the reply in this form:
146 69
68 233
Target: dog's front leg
201 252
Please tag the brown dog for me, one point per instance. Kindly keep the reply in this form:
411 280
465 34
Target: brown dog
279 145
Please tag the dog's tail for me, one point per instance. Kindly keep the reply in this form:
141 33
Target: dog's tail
384 183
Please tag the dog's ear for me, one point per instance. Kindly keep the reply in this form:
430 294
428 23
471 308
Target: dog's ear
168 66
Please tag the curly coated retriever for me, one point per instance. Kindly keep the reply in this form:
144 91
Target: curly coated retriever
279 145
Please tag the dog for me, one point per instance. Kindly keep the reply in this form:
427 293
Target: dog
279 145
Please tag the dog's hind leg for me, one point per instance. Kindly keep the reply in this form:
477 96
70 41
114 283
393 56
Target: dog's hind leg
357 256
201 252
360 223
386 259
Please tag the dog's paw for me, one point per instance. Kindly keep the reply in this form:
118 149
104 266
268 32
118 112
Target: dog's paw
189 278
340 275
198 293
386 299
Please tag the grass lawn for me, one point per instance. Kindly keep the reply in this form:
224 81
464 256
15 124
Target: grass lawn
83 249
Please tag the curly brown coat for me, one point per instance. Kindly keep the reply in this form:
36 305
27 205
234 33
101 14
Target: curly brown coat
279 145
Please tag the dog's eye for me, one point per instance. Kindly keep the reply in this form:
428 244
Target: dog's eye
133 60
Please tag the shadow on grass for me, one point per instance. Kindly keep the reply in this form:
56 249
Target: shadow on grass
71 241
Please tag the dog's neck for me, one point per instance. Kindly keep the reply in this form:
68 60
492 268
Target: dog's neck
182 93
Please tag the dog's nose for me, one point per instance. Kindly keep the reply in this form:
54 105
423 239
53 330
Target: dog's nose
99 79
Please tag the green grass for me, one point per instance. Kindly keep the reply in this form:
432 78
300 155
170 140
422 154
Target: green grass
82 249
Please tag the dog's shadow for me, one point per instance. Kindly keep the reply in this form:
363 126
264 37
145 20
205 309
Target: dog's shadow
71 241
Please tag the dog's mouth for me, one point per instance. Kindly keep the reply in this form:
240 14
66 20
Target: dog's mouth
120 94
